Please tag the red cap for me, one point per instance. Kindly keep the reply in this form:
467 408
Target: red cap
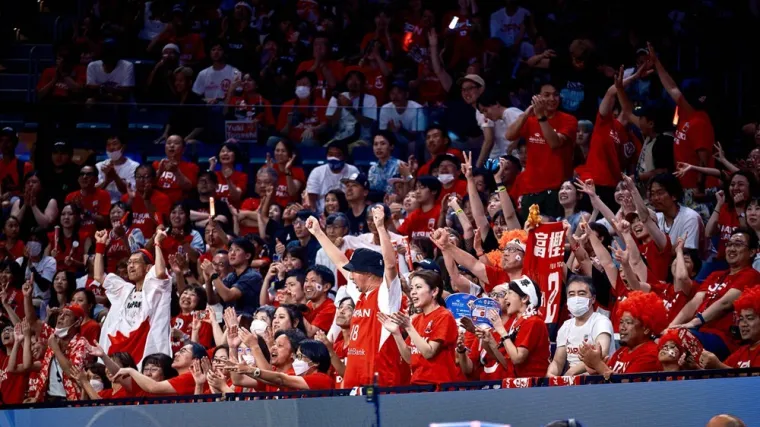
75 309
148 255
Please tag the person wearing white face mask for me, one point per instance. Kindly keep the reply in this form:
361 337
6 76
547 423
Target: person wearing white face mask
117 173
310 365
585 326
38 267
66 350
302 120
447 168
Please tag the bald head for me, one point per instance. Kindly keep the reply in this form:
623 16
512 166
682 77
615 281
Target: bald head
725 420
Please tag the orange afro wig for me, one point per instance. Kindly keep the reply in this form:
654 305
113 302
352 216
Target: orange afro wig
494 257
647 308
748 300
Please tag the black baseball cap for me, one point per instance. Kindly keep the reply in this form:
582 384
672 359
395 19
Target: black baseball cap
366 261
445 157
360 178
427 264
62 147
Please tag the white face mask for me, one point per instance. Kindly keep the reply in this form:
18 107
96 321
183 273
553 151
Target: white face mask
34 248
114 155
578 306
445 178
300 367
62 332
258 327
97 385
303 91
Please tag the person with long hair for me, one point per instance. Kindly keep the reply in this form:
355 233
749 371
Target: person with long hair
64 285
90 328
68 242
11 281
180 235
730 212
432 334
232 184
282 361
290 178
120 387
34 209
15 377
124 238
288 316
569 199
12 245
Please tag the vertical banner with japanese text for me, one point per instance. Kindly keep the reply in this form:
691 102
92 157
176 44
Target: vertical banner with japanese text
544 263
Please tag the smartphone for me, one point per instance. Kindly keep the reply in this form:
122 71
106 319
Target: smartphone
453 23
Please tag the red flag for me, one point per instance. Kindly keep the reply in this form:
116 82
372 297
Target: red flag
544 263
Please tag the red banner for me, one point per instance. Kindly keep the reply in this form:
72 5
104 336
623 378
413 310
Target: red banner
544 263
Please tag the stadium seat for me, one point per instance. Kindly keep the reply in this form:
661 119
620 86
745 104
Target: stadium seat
363 156
312 155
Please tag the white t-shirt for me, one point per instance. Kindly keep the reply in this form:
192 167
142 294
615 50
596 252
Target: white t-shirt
322 179
129 309
571 336
500 143
347 120
47 267
126 172
213 84
151 27
123 75
412 119
366 241
55 376
506 27
686 221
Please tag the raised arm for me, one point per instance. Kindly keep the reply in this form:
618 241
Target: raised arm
513 131
336 255
681 280
435 60
99 265
389 254
441 239
645 215
604 257
667 81
478 210
160 263
510 216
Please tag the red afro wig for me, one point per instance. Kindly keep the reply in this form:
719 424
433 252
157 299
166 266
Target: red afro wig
748 300
648 308
671 335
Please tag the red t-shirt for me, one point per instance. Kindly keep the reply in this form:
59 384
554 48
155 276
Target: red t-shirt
673 301
67 243
425 169
17 250
9 178
715 286
239 179
97 203
341 350
90 330
16 300
281 195
658 261
420 224
253 107
438 325
496 276
117 251
323 90
377 84
641 359
190 45
547 168
532 335
459 187
430 90
142 219
728 222
485 367
184 384
367 354
168 183
249 204
270 388
693 132
612 152
109 394
13 386
171 244
319 381
307 116
322 316
61 89
184 322
383 41
745 357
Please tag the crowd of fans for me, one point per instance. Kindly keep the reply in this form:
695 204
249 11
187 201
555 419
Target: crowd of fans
123 279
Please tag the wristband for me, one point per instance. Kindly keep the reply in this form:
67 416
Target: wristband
543 119
100 248
716 212
257 373
458 211
463 350
501 189
214 276
701 318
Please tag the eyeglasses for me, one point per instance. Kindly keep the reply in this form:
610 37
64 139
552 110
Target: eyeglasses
497 295
299 222
151 369
737 245
219 359
670 347
512 250
184 350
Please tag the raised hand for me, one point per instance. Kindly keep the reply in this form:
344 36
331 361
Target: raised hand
78 374
653 59
388 323
586 187
290 162
212 161
680 242
682 168
591 354
249 339
321 337
402 320
198 374
432 37
312 224
467 165
719 155
477 241
378 216
441 238
499 176
95 350
159 237
207 267
720 198
18 333
28 288
619 78
101 236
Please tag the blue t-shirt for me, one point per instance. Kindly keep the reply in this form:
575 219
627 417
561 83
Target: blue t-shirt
249 283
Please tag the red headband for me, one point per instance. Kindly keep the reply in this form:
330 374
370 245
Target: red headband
76 310
148 255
